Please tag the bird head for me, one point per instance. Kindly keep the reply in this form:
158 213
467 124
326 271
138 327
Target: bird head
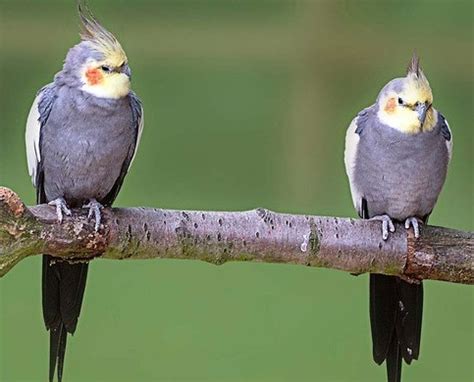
406 103
98 64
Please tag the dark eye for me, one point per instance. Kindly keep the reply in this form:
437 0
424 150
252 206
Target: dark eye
106 69
400 101
417 104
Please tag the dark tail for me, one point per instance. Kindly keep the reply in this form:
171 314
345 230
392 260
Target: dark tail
63 290
396 309
394 361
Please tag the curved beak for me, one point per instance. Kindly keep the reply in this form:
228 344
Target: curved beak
125 69
421 110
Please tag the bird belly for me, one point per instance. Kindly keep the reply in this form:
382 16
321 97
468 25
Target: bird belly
88 170
83 156
400 186
399 198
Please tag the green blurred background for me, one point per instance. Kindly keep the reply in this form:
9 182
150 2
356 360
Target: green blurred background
247 103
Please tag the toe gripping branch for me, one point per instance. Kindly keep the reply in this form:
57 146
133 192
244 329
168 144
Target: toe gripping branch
35 230
94 211
415 223
61 207
388 226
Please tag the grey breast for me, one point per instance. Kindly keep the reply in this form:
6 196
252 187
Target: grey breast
399 174
84 144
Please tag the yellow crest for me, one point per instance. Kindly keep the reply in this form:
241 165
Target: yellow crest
100 38
417 84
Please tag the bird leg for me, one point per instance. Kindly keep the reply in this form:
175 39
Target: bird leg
415 223
94 210
387 225
61 206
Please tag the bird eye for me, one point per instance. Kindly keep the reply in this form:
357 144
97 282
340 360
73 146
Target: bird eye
106 69
400 101
417 104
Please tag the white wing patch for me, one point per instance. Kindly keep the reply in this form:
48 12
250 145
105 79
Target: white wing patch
350 153
32 139
139 136
449 144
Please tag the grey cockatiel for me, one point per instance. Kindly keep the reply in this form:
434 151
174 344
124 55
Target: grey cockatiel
82 133
396 157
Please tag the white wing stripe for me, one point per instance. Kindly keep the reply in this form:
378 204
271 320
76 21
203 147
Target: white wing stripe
139 136
32 139
449 144
350 153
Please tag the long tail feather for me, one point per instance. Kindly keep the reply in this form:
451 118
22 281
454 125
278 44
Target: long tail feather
396 309
57 349
394 362
63 290
61 353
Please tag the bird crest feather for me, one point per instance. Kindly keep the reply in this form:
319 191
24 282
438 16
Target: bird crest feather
414 65
415 72
99 38
416 77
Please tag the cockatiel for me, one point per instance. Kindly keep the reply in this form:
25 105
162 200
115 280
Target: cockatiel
81 136
396 157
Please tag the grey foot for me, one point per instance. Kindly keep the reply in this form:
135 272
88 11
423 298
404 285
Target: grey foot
387 225
94 210
415 223
61 207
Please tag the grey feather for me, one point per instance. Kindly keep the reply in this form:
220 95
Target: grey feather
445 131
84 145
137 123
398 174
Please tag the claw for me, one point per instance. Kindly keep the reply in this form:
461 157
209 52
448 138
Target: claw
413 221
61 206
387 225
94 210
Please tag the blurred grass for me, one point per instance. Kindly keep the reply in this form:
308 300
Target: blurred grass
246 105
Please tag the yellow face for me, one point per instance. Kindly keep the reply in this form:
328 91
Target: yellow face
409 111
106 79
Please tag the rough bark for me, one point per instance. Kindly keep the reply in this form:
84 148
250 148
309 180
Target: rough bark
260 235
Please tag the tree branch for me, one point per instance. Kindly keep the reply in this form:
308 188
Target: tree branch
217 237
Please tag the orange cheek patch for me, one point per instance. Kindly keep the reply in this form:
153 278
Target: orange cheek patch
94 76
390 105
